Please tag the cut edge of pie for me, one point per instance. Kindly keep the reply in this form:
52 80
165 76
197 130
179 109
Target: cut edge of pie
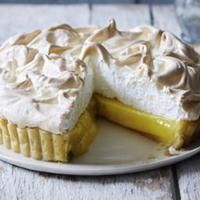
175 133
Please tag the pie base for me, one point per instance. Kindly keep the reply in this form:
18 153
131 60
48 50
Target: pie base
43 145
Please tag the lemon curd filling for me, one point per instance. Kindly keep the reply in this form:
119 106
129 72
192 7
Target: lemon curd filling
43 145
174 133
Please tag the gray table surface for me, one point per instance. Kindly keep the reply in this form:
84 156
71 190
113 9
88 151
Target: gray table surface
180 181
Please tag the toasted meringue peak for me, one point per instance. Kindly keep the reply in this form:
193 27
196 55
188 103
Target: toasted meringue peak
149 54
53 40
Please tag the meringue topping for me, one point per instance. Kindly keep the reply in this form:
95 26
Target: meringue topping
147 55
36 90
53 40
46 77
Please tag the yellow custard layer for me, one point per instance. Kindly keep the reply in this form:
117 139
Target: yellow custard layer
43 145
170 132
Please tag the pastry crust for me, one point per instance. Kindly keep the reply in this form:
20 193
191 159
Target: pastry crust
42 145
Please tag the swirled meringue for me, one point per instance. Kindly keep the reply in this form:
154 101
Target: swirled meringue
36 90
146 68
53 40
46 77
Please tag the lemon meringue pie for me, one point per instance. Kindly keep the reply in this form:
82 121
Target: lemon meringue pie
54 81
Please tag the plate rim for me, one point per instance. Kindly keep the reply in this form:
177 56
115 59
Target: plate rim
91 169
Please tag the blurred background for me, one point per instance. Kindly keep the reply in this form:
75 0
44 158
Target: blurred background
181 17
87 1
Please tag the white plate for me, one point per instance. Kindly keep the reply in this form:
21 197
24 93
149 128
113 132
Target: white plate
116 150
